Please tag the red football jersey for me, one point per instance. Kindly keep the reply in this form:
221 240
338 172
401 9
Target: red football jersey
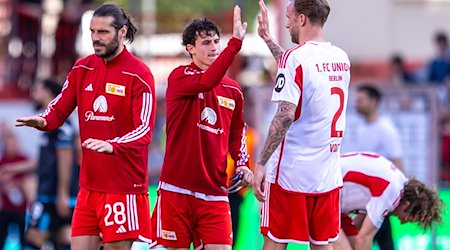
116 102
204 122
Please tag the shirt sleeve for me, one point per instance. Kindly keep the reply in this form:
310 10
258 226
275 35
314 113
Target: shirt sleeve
288 82
143 108
192 82
237 139
63 105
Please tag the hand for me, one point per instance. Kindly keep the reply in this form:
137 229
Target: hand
248 175
239 27
99 146
62 205
263 22
259 182
31 121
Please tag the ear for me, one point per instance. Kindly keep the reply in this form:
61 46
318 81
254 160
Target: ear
302 19
190 48
405 204
123 31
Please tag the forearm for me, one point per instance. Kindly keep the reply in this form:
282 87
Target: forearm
20 167
277 131
363 243
275 49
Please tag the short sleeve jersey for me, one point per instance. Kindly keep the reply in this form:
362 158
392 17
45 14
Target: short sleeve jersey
314 76
372 184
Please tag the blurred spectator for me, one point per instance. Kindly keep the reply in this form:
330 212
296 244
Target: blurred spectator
439 67
377 134
24 49
16 185
51 212
66 35
400 74
445 149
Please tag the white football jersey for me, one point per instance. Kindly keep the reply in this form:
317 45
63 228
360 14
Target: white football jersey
314 76
372 184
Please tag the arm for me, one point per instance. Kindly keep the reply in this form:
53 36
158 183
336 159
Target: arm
57 111
364 238
143 110
278 129
192 82
263 32
237 145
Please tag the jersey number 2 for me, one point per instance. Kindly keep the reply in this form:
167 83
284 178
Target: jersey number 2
118 209
338 91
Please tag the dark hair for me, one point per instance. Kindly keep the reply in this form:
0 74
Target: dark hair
120 19
199 27
371 91
317 11
441 37
53 86
425 207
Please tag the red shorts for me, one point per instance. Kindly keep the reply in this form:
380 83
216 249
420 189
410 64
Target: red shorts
113 217
178 217
300 218
347 225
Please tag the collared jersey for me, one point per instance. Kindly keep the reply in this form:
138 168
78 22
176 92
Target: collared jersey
204 123
116 102
314 76
372 184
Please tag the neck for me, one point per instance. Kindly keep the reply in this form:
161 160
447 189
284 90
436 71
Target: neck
372 117
312 34
202 66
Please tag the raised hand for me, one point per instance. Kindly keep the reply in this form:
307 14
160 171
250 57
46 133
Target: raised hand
239 27
263 22
31 121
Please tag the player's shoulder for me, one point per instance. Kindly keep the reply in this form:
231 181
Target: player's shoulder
86 63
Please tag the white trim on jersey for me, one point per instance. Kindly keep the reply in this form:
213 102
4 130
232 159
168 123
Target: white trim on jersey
144 128
198 195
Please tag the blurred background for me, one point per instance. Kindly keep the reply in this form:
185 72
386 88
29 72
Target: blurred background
399 46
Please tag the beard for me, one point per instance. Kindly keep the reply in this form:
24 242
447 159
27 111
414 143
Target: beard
110 49
294 38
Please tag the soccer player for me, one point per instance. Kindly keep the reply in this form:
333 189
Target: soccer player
204 122
115 94
300 158
51 213
373 189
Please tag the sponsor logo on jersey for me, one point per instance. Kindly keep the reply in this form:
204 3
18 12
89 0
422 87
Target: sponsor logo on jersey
89 88
209 116
168 235
281 81
226 102
121 229
115 89
100 105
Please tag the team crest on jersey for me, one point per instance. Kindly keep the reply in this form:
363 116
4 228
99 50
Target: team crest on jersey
168 235
115 89
281 81
226 102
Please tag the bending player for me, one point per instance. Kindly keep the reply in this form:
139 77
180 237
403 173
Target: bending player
373 189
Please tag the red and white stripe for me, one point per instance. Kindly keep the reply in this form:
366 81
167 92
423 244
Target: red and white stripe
285 56
132 214
265 207
144 128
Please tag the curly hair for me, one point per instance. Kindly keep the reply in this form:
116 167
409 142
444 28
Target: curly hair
425 206
199 27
